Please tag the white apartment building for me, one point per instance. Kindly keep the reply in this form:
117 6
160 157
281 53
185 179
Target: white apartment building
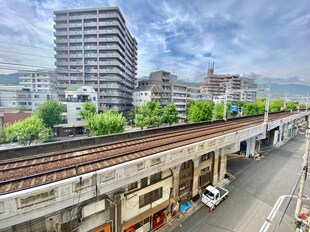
75 96
41 87
94 47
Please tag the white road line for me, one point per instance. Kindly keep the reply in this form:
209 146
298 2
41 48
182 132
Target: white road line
273 212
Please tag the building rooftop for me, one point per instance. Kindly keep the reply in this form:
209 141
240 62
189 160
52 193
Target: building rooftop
73 87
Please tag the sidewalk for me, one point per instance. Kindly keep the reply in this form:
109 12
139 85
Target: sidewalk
177 220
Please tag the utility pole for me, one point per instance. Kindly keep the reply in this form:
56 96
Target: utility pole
304 173
267 106
225 107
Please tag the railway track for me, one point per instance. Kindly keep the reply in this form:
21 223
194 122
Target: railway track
17 174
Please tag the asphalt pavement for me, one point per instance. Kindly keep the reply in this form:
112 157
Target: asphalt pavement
259 196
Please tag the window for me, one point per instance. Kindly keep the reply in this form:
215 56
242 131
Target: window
185 165
155 178
36 96
78 108
204 157
150 197
78 119
133 186
144 182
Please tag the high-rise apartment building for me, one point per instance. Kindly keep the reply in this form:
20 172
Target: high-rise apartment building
94 47
235 86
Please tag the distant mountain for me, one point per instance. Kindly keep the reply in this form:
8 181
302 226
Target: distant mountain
287 90
9 79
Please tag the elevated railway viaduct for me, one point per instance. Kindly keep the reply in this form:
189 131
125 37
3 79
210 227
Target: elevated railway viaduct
129 181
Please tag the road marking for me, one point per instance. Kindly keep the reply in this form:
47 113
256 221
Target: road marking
273 212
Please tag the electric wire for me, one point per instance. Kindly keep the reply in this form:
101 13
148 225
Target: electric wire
28 54
26 45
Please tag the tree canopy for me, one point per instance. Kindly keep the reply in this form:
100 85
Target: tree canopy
219 111
198 111
25 131
171 114
50 112
291 106
109 122
276 105
149 113
88 109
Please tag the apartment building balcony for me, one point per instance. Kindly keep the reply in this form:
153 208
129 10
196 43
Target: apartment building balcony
75 48
110 15
93 70
109 55
60 26
60 33
91 47
75 40
109 31
75 63
90 24
111 86
90 32
90 39
78 55
112 78
57 41
116 101
60 18
61 48
61 56
75 32
63 63
91 55
111 47
73 25
90 62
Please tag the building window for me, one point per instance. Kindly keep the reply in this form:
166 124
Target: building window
133 186
205 157
150 197
155 178
36 96
185 165
78 119
144 182
78 108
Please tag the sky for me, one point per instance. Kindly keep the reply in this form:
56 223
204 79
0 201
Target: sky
261 39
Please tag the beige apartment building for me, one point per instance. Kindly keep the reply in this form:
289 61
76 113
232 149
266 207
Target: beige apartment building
94 47
235 86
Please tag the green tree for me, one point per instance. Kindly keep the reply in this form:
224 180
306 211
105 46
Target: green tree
171 114
25 131
198 111
253 108
109 122
276 105
219 111
130 116
141 121
149 113
291 106
50 112
88 108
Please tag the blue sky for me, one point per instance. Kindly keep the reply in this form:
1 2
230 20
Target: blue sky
258 38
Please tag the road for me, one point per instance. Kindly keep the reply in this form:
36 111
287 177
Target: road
257 189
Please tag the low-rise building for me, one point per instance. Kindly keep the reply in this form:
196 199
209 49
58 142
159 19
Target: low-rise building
163 87
75 96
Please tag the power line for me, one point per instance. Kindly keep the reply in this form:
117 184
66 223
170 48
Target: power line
26 65
29 54
26 45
